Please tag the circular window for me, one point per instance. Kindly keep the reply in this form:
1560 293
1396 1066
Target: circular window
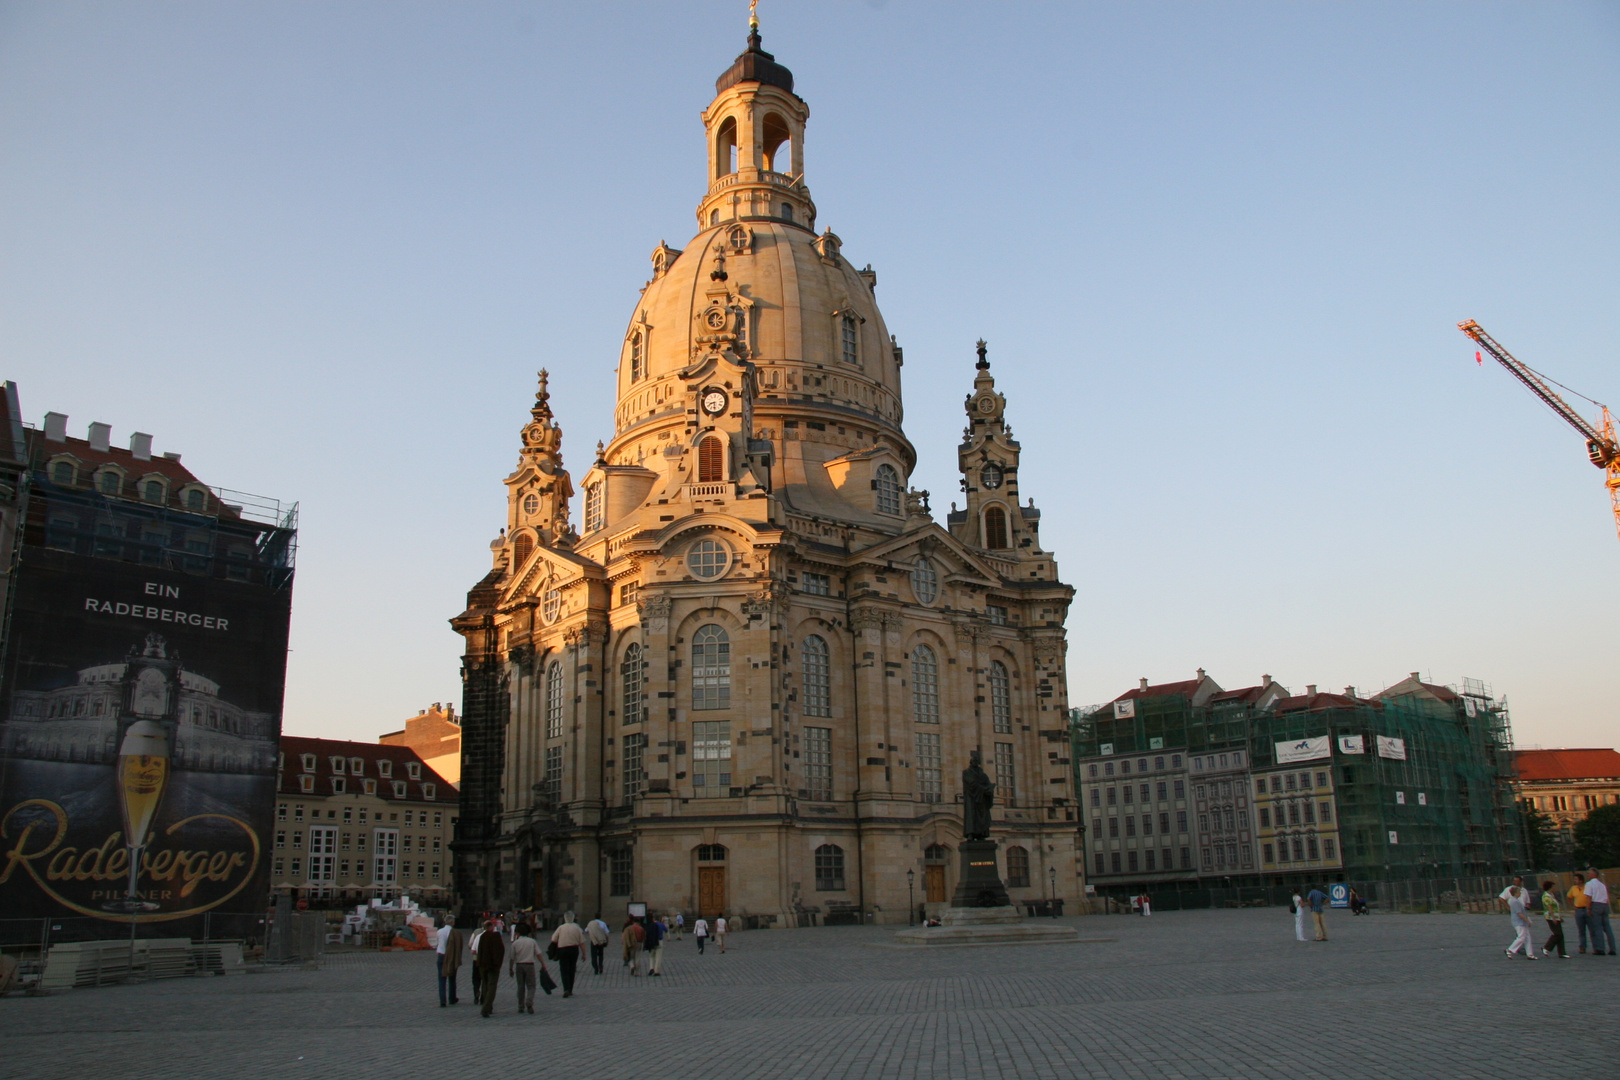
707 559
551 605
531 504
991 476
924 581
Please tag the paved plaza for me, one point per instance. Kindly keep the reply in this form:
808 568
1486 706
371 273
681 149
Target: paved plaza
1201 994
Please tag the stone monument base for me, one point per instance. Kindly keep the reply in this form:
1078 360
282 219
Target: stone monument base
988 926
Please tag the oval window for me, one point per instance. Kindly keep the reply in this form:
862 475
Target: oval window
924 581
707 559
531 504
551 605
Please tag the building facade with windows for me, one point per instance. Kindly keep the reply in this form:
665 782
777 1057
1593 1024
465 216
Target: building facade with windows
752 677
360 820
435 735
1566 785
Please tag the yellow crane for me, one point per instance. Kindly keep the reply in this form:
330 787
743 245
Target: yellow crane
1602 449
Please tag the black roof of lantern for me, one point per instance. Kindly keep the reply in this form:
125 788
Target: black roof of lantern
755 65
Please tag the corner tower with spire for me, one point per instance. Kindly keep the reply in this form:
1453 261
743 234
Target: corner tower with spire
749 680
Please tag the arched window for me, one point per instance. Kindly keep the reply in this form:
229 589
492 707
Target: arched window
817 677
62 473
787 211
154 491
111 483
995 528
1000 698
924 685
829 868
725 148
635 357
924 581
1017 868
522 548
714 217
593 507
887 485
631 680
711 668
711 460
554 700
851 340
196 500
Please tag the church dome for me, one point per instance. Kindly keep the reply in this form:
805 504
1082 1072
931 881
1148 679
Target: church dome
754 65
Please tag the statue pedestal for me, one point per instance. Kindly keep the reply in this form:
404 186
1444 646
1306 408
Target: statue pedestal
979 885
982 914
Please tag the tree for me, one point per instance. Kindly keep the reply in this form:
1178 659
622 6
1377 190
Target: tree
1545 848
1597 838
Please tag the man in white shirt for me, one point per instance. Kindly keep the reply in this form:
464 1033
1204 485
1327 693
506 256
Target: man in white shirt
598 933
1517 899
472 950
720 932
1597 916
700 930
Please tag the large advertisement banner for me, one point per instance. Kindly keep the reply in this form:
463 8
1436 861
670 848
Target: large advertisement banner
138 748
1304 750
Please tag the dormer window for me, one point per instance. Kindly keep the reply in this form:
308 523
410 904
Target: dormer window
109 482
63 473
152 491
337 785
428 791
196 499
309 762
337 764
593 507
887 485
357 766
385 767
413 769
306 783
371 787
399 789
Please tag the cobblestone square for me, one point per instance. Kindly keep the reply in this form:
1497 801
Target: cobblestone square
1198 995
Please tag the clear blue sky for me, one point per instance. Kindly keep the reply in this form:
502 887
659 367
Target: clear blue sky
1219 252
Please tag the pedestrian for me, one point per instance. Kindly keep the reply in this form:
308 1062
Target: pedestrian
450 947
598 933
472 950
491 953
633 935
680 926
1317 898
524 958
1147 905
700 930
654 946
720 931
568 941
1598 918
1516 899
1553 912
1297 906
1583 907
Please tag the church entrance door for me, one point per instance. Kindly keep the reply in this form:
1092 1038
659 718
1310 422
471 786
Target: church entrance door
711 891
934 884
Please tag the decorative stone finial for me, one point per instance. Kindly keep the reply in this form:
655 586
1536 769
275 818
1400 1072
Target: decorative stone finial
983 364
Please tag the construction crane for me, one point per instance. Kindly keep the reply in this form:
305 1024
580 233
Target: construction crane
1602 449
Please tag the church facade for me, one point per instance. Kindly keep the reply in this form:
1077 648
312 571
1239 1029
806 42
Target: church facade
749 679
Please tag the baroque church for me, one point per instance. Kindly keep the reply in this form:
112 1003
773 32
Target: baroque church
749 679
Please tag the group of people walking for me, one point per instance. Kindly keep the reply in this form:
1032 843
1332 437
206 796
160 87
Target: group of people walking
493 945
1589 900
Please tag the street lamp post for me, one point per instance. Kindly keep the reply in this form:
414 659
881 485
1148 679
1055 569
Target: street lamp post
911 898
1051 903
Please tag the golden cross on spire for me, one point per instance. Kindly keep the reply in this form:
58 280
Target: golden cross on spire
753 14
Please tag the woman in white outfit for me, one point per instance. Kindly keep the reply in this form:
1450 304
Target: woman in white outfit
1299 916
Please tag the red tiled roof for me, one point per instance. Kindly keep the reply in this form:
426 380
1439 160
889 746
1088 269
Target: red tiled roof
1444 693
293 747
1188 687
125 459
1316 702
1566 764
1247 693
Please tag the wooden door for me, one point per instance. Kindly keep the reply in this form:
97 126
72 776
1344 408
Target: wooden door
539 890
711 891
934 884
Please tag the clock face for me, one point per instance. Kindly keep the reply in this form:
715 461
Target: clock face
987 405
990 476
716 319
714 402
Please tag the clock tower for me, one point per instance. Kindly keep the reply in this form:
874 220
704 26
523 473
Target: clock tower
988 458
